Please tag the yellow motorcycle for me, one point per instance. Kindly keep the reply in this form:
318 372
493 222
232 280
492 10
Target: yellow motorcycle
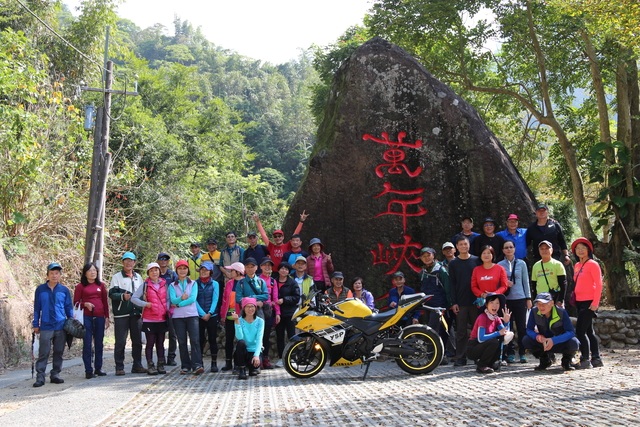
348 333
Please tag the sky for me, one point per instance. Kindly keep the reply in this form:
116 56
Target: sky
270 30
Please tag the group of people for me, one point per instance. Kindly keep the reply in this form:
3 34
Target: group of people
250 291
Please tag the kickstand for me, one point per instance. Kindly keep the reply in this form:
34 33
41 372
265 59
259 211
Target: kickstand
366 371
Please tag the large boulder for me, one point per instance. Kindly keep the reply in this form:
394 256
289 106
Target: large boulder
400 159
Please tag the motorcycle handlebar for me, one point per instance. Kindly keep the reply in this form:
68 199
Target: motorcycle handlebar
439 310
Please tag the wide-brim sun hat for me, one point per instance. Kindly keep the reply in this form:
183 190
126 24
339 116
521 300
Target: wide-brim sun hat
582 240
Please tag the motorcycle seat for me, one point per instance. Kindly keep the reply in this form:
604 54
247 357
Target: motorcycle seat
383 316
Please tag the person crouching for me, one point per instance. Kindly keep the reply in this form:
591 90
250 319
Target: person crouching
488 333
249 332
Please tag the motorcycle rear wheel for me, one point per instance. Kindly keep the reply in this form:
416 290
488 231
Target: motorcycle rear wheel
431 349
304 359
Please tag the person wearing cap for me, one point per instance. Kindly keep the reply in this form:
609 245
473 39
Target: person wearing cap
213 255
545 228
91 295
434 280
254 250
448 253
208 304
231 253
126 316
52 305
195 260
466 223
277 248
228 308
518 297
396 292
270 306
548 274
588 279
338 292
183 294
152 298
249 330
302 279
515 234
488 237
252 286
296 250
462 297
549 331
319 265
489 332
170 277
288 299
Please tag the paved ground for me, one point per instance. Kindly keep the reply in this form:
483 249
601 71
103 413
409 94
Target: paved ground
516 396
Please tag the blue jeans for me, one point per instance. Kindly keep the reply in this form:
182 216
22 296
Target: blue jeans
184 326
94 331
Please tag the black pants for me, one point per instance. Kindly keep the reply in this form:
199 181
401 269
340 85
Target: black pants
229 336
127 325
243 356
486 353
466 316
266 338
173 341
209 332
584 331
567 348
286 325
518 309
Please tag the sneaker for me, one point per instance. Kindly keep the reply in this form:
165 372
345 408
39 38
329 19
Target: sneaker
38 383
235 371
596 362
279 364
57 380
120 372
484 370
523 359
198 371
100 373
184 371
89 375
462 361
584 364
266 364
497 365
138 370
171 362
544 364
567 366
511 358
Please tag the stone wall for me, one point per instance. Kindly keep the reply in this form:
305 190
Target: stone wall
619 328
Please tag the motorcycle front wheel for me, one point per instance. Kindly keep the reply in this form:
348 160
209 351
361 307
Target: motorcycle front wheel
304 359
429 349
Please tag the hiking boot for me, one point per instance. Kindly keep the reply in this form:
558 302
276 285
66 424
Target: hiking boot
151 369
214 367
461 361
242 374
38 383
100 373
89 375
161 368
198 371
523 358
138 370
57 380
253 371
445 361
511 358
227 366
266 364
544 364
596 362
584 364
171 362
235 371
120 372
497 365
484 370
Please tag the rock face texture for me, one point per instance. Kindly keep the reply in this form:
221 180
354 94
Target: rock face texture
400 159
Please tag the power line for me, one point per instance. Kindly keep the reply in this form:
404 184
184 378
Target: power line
60 37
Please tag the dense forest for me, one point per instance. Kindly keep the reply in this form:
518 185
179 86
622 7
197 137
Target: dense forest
214 135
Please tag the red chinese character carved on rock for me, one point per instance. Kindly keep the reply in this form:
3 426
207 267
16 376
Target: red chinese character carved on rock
395 144
406 252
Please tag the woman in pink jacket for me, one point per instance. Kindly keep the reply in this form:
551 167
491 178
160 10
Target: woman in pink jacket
152 297
588 279
319 265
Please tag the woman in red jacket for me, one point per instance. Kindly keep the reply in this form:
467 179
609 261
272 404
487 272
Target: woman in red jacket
91 295
488 277
588 279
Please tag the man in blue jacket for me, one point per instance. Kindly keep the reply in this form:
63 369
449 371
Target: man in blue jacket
52 305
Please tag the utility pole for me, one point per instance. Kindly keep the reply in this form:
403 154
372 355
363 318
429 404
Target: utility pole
101 162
